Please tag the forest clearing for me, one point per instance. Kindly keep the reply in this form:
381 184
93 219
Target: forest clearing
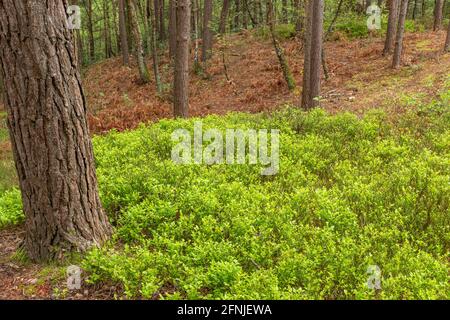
361 191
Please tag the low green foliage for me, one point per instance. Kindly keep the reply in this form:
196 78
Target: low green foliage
282 31
350 193
10 208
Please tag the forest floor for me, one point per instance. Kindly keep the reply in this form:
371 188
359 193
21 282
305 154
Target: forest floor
360 79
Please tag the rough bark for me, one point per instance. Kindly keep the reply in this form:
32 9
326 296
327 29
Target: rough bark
400 32
48 129
123 33
143 71
207 31
181 77
392 26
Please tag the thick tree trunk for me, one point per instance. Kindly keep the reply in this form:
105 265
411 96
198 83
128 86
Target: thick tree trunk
438 15
172 27
143 71
181 78
224 16
400 32
207 32
48 129
392 26
123 33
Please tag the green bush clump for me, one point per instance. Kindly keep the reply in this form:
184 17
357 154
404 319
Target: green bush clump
282 31
350 193
10 208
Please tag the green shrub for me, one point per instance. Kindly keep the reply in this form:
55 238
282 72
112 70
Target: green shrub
350 193
10 208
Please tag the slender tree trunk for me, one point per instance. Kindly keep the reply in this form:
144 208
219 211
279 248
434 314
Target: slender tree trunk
207 32
224 16
284 11
123 33
278 49
447 41
316 52
400 32
107 32
143 71
392 26
181 78
154 45
162 26
307 55
438 15
49 131
330 28
172 27
237 16
414 13
90 30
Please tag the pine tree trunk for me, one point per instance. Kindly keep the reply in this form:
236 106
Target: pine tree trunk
447 41
438 15
400 32
151 17
181 78
123 33
278 49
90 31
392 26
143 71
316 52
207 32
107 32
284 11
172 27
224 16
162 27
48 128
307 54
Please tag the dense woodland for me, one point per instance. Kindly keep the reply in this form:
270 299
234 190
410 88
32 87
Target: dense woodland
87 179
